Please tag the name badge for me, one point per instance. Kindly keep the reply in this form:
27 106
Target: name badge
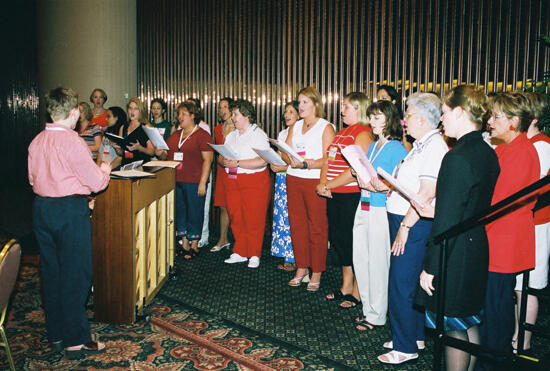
301 150
365 200
178 156
232 173
332 153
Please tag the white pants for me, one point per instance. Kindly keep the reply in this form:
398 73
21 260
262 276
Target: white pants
371 261
538 277
205 225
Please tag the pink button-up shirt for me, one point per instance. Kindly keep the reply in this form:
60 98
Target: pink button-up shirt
60 164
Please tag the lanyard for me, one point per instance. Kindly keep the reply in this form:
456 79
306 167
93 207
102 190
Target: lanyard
372 155
181 143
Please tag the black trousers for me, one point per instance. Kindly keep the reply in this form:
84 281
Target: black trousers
341 210
63 231
497 328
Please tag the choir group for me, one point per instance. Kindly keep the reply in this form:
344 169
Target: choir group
457 155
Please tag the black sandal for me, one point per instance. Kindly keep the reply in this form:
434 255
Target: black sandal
189 254
336 295
366 325
350 299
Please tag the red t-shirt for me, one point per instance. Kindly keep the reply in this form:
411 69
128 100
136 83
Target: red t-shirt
542 216
512 236
101 120
337 164
191 166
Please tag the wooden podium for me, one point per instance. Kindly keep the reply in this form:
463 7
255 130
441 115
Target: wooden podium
133 240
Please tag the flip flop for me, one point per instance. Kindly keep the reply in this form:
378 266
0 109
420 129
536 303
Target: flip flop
396 358
336 295
350 299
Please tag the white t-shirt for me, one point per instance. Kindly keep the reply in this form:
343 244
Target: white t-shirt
421 163
283 134
242 144
309 145
543 150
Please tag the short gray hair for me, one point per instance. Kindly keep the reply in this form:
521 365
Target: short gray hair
427 105
60 101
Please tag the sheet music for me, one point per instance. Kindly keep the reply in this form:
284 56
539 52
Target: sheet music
400 187
269 156
359 162
157 163
156 139
131 174
132 165
286 149
225 151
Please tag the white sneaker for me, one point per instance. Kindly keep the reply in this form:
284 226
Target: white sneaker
236 258
254 262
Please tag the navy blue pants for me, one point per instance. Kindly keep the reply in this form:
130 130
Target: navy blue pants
497 328
407 322
189 211
63 231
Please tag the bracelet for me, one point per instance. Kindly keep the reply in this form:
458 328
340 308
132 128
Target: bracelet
405 226
325 187
304 165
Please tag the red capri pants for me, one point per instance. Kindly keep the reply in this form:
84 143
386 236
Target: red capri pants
307 214
247 199
219 191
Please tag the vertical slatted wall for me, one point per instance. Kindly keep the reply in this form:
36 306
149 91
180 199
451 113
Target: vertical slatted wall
265 50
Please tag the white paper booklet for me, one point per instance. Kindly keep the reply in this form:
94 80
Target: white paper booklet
359 162
400 187
225 151
155 137
286 149
132 165
270 156
156 163
131 174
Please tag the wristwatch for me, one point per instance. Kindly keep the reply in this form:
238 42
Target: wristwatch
304 165
405 226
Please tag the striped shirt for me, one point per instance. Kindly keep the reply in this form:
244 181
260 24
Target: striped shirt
336 162
89 134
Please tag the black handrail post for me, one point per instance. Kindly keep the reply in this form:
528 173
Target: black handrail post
522 312
440 307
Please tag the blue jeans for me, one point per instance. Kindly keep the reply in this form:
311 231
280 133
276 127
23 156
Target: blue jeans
189 211
406 321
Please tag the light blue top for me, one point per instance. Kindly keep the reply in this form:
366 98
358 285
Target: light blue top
387 158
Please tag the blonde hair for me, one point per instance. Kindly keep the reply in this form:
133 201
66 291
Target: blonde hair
471 100
315 97
142 109
360 102
514 104
87 110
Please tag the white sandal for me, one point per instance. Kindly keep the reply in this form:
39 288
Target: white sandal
419 344
396 358
218 248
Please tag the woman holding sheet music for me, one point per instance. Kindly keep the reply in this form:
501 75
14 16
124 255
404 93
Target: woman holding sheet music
142 149
371 235
310 138
189 145
281 242
247 186
408 232
340 187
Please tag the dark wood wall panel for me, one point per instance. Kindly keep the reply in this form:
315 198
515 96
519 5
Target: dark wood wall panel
266 51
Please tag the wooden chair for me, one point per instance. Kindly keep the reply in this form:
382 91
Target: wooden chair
10 256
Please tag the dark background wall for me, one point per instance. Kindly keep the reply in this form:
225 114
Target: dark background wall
265 50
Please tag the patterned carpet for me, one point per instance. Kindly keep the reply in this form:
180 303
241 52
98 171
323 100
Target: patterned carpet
216 316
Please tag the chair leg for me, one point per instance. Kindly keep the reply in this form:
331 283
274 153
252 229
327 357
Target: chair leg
7 346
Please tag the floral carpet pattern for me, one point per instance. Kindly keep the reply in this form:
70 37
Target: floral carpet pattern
174 339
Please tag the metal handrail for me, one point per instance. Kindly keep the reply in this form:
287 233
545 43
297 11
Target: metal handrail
487 216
